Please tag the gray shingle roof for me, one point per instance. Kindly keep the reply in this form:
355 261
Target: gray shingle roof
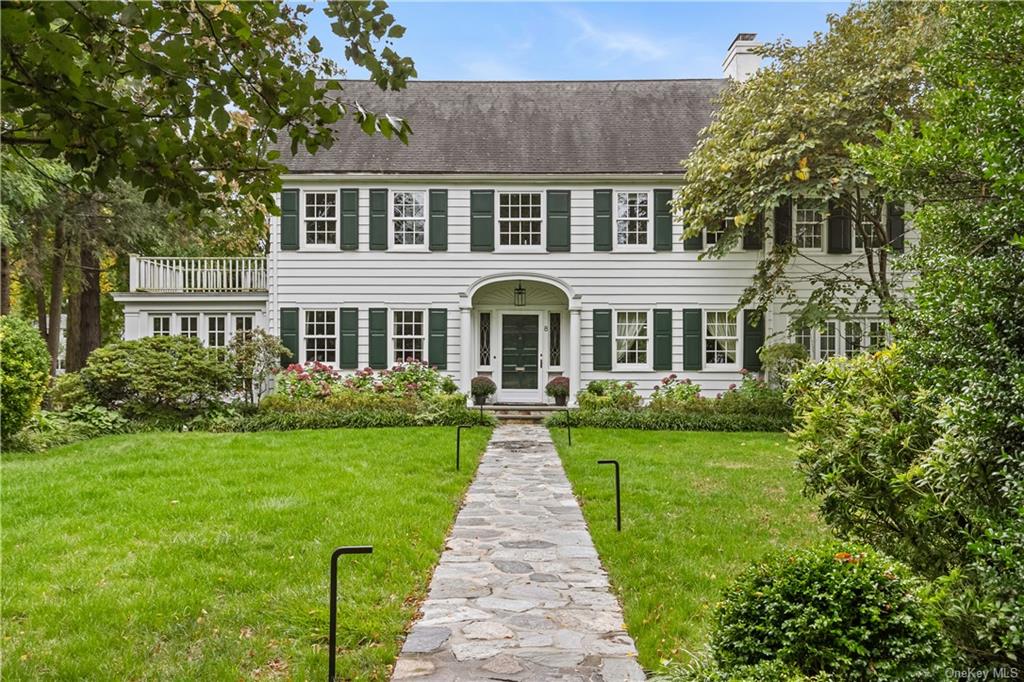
566 127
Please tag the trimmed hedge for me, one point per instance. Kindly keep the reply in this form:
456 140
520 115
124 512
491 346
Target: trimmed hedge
24 371
677 420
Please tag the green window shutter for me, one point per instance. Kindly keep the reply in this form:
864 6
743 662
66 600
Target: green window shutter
840 228
662 220
602 220
438 220
896 225
481 220
753 339
559 238
378 338
378 219
602 340
753 235
662 339
349 219
289 220
437 344
290 335
694 243
348 338
693 334
784 222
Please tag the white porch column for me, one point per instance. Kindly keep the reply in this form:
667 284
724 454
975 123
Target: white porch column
466 341
574 350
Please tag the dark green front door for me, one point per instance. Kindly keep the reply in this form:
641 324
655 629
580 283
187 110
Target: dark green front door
519 352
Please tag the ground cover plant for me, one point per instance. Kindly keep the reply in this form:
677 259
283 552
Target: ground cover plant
697 509
205 556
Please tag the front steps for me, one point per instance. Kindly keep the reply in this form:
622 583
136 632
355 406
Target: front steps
517 413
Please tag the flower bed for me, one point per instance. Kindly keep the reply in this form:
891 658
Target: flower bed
315 396
677 405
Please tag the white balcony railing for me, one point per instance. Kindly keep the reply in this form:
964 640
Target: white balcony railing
197 275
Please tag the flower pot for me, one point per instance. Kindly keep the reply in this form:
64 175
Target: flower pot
479 399
561 400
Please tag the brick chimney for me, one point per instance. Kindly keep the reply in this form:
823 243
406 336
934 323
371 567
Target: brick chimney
741 61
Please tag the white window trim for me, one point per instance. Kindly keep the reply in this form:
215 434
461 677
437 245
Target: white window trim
865 324
333 246
425 336
823 246
636 248
205 325
720 366
170 323
632 366
302 335
425 246
498 247
178 326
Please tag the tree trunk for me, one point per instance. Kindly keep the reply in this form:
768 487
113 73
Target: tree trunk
5 279
56 296
89 296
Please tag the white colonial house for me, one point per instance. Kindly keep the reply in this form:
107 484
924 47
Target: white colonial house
524 233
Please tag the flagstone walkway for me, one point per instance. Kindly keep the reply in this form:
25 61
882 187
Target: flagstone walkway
520 593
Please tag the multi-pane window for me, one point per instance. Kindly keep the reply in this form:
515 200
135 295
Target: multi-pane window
321 336
407 328
216 331
631 218
853 338
161 325
828 340
409 218
519 219
188 325
243 324
809 224
805 338
631 337
485 339
321 218
720 337
877 335
555 339
712 236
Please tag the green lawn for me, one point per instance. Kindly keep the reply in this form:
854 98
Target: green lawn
697 508
205 556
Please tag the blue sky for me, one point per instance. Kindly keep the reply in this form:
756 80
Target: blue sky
595 40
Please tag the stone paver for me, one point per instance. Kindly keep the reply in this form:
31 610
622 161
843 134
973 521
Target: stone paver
520 593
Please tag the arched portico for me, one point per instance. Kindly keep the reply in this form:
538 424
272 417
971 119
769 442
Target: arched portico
521 329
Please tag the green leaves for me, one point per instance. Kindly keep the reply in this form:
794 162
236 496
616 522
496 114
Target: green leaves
179 98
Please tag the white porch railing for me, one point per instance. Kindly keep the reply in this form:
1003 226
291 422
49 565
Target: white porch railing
199 275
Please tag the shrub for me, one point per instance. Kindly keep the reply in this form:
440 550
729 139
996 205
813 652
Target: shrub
156 378
780 361
558 387
24 370
754 395
312 380
604 393
255 355
482 386
707 670
672 391
843 611
67 391
705 418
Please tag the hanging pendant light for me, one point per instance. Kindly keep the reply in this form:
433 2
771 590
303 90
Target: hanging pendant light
519 295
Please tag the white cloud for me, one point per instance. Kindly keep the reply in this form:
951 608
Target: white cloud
617 42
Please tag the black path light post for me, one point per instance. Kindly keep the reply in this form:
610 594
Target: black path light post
568 424
332 634
618 498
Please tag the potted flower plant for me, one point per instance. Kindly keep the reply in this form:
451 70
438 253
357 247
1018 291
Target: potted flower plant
558 388
481 387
